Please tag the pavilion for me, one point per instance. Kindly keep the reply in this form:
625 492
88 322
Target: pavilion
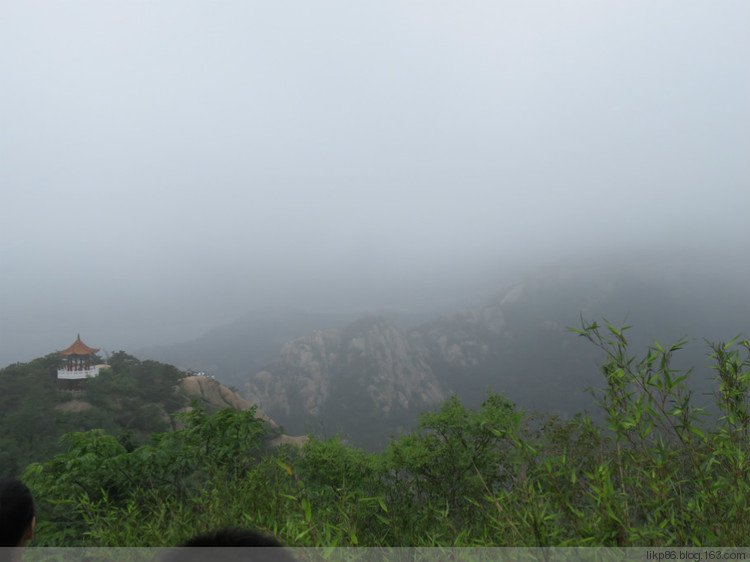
78 361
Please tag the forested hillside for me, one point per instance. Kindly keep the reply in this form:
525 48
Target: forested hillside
130 400
657 472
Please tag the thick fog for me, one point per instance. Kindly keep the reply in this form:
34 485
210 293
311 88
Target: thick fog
168 166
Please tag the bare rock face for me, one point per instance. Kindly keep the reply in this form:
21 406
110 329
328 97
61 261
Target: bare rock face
307 364
462 341
368 370
396 373
218 395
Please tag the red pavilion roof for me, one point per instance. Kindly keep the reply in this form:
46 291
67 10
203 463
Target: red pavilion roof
79 348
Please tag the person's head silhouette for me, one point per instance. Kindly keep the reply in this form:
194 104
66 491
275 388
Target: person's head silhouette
17 519
236 544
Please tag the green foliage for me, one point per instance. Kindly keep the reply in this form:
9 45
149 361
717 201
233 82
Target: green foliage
453 457
98 476
28 421
673 478
136 382
132 397
661 472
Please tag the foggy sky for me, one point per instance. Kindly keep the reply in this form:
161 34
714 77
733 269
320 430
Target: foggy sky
167 166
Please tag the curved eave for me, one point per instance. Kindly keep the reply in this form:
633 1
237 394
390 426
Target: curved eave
78 348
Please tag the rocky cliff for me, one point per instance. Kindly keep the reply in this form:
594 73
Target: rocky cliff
217 396
371 378
367 378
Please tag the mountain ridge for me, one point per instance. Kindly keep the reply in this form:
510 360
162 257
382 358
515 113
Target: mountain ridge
370 378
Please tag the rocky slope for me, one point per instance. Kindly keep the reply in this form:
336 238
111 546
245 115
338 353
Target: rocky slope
367 379
259 335
217 396
370 379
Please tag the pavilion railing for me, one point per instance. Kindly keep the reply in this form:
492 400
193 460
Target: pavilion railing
66 374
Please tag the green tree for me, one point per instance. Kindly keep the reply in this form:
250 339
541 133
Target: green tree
455 456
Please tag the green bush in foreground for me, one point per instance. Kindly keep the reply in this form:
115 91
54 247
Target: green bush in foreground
660 473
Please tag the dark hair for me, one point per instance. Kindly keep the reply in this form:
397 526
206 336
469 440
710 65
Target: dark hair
16 511
238 539
233 536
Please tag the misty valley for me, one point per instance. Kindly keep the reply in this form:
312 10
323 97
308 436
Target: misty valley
351 274
526 419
